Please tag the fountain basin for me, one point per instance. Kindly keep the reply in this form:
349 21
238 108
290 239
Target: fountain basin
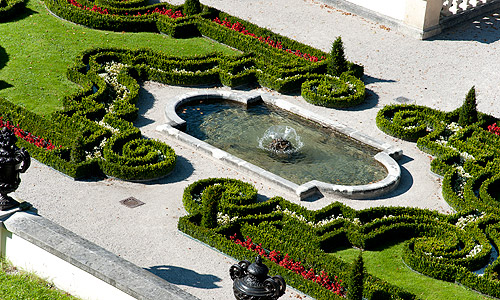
385 153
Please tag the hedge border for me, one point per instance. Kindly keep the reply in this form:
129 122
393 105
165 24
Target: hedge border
437 245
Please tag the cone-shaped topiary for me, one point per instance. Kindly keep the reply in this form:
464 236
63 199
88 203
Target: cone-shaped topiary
468 111
191 7
209 202
337 64
355 279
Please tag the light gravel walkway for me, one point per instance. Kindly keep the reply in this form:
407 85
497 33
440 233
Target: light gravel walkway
436 73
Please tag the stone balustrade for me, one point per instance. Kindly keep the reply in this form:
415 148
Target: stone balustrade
419 18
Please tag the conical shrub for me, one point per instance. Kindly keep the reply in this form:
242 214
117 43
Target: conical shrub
191 7
468 111
209 201
355 279
337 64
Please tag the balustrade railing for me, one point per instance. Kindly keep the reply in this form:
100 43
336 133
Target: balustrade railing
455 7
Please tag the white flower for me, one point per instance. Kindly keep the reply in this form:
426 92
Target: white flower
475 251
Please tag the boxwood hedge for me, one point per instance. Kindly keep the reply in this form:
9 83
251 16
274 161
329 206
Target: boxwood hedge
446 247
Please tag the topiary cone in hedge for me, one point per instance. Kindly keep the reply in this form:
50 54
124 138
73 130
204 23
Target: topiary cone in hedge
191 7
355 279
209 201
468 111
337 64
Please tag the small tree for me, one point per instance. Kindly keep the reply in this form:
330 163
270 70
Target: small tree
209 202
191 7
355 279
468 111
338 63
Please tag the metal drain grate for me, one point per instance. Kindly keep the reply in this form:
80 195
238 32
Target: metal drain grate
402 100
131 202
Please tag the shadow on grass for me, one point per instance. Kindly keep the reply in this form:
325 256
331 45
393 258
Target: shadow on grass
4 85
4 57
22 13
182 276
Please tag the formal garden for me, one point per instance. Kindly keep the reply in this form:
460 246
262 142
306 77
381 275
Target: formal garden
69 91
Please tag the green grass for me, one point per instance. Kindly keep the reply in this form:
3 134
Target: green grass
37 48
15 285
386 263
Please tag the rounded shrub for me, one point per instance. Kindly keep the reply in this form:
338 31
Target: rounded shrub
345 91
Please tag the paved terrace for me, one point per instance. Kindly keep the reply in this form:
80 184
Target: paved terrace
437 73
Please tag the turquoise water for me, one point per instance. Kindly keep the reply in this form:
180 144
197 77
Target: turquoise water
319 153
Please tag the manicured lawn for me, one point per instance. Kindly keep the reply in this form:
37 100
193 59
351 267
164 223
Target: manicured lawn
386 263
37 48
16 285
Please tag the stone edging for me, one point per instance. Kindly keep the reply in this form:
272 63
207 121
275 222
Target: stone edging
174 126
94 260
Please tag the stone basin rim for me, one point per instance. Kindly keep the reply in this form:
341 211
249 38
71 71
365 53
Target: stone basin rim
387 156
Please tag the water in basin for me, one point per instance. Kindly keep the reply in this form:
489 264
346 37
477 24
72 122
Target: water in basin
312 152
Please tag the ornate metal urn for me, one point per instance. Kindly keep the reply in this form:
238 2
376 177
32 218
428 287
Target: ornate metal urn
12 162
251 281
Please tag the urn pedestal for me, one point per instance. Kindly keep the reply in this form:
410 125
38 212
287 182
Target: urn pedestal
251 281
12 162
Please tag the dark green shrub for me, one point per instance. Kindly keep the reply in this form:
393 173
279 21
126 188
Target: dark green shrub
337 63
468 111
356 279
346 91
209 203
191 7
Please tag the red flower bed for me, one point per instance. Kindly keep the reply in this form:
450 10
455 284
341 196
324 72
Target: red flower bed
239 28
162 11
30 138
296 266
493 128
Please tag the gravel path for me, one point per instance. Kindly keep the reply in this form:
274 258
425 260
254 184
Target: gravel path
436 73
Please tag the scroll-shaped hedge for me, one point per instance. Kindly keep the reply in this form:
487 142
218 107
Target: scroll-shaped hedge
137 159
279 63
446 247
468 157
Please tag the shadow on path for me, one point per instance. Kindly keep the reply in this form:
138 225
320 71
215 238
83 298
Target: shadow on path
406 180
483 29
181 276
371 101
145 102
183 169
367 79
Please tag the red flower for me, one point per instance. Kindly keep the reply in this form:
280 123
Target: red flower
295 266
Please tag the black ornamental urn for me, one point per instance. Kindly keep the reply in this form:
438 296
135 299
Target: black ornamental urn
251 281
12 162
